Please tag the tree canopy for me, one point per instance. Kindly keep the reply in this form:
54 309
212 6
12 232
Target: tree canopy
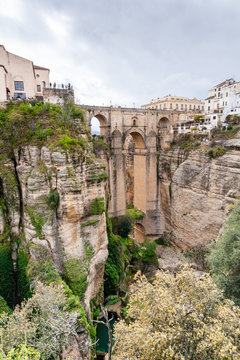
224 257
178 317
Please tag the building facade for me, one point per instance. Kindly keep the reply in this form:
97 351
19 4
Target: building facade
177 103
20 78
223 99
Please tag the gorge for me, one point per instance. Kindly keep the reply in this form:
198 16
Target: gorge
59 185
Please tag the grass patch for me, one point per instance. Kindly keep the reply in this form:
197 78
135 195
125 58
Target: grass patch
88 223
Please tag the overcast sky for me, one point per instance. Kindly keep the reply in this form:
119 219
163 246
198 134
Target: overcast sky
127 51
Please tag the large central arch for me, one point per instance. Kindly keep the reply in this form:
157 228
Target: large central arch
139 168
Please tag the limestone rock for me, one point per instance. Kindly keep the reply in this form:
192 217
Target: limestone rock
201 188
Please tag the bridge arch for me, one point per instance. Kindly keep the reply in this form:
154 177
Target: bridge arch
102 122
138 137
164 124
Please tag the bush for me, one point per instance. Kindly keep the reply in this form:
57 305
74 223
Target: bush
114 266
22 277
96 207
224 257
43 322
178 317
21 353
7 276
53 199
66 142
217 152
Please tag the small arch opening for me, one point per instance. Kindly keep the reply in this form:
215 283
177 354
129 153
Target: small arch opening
164 124
138 139
95 126
99 125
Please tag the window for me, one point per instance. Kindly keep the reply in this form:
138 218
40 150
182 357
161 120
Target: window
214 117
190 107
226 103
19 95
19 85
181 106
39 88
170 105
226 94
209 108
176 106
44 84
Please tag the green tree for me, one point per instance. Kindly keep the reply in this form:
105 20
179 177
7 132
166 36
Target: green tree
224 257
21 353
178 317
43 322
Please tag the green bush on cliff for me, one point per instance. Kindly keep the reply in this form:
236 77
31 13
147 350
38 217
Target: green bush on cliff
7 278
134 214
22 276
224 257
96 207
216 152
41 123
22 352
4 306
37 221
53 199
114 265
76 271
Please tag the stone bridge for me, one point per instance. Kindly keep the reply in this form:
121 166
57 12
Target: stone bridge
135 137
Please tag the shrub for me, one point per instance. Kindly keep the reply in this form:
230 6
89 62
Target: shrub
53 199
76 272
178 317
22 276
96 207
66 142
43 322
134 214
217 152
21 353
224 257
114 266
7 276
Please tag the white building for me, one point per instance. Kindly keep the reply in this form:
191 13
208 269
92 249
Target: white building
223 99
20 78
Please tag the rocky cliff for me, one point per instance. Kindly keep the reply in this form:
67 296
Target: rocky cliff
52 204
195 190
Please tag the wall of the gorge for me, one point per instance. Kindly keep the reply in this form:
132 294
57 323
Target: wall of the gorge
194 192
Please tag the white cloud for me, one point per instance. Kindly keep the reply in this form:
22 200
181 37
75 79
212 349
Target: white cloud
11 9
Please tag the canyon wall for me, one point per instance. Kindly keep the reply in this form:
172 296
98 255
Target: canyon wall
195 191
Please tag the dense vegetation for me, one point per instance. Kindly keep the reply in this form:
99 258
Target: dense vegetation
41 123
178 317
224 257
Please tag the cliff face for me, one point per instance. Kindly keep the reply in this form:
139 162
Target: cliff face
195 192
58 199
